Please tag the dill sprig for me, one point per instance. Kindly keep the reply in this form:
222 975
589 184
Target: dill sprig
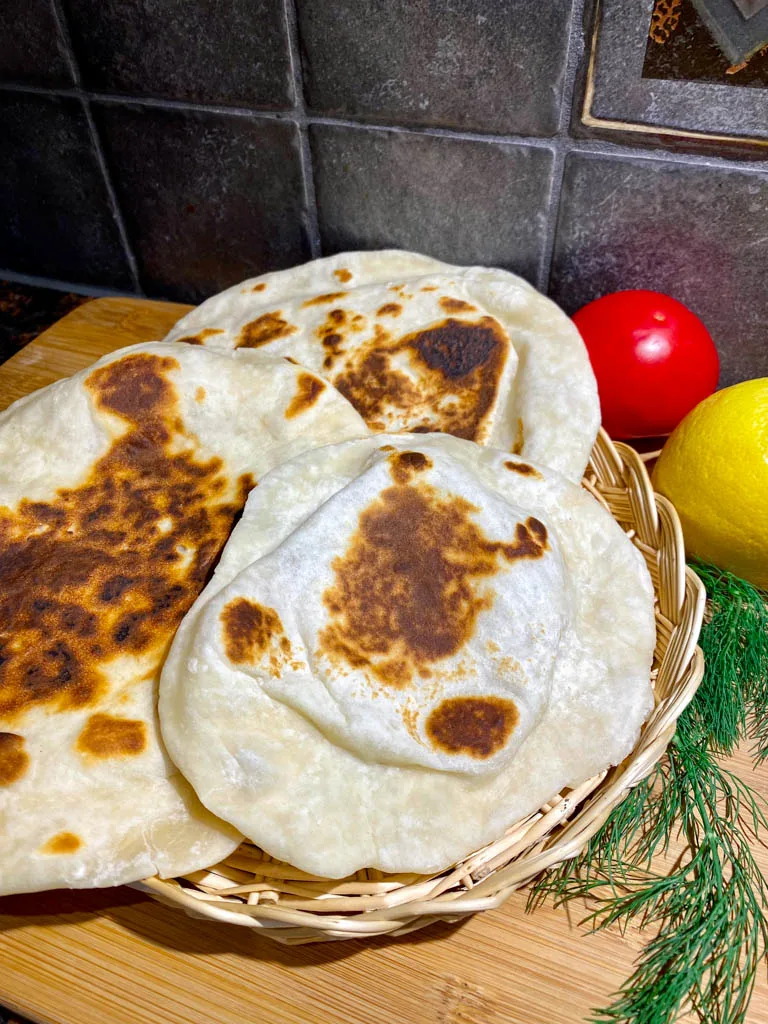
733 696
709 913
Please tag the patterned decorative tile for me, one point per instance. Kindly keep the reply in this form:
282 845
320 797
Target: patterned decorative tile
620 99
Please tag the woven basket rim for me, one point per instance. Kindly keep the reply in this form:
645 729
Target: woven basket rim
253 890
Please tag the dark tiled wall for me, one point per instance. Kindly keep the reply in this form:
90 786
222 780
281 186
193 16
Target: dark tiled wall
172 147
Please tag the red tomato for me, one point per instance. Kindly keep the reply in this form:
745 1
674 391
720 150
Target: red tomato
653 360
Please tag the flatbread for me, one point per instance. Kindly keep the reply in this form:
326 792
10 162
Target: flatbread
118 488
419 345
409 644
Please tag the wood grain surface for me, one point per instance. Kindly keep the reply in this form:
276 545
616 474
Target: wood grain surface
97 957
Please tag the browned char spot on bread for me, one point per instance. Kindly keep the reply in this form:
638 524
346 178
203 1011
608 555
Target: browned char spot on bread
14 759
456 371
477 726
519 442
320 300
199 338
62 843
456 305
106 736
309 390
406 592
404 465
110 566
265 328
253 633
522 468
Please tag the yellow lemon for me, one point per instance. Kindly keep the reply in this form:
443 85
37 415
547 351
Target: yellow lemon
714 470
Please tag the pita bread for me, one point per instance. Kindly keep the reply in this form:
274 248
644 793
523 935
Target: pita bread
419 345
118 488
409 644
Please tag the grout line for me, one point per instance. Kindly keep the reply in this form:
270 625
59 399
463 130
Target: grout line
311 222
298 114
69 50
111 98
602 147
63 286
573 55
534 141
304 120
310 197
117 213
45 90
553 211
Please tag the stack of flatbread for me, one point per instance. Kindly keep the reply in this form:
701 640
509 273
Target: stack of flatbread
315 570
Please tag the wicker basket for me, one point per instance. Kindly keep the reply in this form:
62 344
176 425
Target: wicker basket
252 889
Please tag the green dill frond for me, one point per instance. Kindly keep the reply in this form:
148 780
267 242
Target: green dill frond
733 698
709 913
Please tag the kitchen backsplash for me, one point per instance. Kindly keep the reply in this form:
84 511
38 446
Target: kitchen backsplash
172 147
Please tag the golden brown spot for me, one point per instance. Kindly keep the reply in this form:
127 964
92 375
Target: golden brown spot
411 722
405 590
510 666
387 448
456 305
389 309
290 359
135 387
106 736
199 338
456 347
342 274
252 631
111 566
429 288
61 843
259 287
477 726
454 358
517 447
310 389
331 337
200 394
373 386
492 647
522 468
320 300
265 328
333 342
404 465
14 760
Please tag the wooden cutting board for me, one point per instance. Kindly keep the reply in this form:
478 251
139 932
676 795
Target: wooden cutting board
117 956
